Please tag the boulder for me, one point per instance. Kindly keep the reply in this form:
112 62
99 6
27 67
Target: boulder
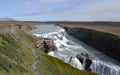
86 59
45 45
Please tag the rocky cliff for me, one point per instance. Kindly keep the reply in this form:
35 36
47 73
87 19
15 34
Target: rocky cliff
107 43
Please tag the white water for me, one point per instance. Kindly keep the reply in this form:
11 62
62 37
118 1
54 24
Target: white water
68 48
103 68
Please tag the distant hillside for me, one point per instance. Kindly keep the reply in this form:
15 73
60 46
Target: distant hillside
7 19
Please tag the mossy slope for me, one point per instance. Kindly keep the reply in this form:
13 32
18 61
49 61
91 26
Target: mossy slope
49 65
16 57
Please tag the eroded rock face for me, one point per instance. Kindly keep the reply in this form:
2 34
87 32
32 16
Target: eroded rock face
45 45
107 43
86 60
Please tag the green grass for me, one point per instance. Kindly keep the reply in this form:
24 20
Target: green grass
16 57
9 48
49 65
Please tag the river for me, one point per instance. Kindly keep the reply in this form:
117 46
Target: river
68 47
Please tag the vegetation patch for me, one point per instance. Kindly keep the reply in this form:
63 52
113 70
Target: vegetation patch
15 56
49 65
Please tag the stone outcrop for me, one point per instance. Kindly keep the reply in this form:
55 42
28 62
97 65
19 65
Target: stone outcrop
45 45
107 43
85 59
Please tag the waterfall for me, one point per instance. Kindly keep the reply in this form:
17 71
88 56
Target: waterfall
75 63
67 51
84 63
103 68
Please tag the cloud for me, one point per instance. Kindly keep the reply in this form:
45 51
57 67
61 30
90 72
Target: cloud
58 1
99 8
29 14
38 7
76 9
52 1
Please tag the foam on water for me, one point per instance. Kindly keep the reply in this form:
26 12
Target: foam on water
103 68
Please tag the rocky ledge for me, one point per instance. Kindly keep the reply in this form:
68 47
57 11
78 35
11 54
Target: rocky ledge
85 59
45 45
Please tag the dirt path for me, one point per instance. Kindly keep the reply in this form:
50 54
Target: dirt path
36 72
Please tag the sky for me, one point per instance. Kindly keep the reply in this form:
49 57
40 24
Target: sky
60 10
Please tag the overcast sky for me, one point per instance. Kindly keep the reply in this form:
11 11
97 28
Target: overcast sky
61 10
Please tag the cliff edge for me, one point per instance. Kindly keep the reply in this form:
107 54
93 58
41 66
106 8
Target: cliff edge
107 43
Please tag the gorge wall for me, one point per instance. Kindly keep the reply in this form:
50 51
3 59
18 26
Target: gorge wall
107 43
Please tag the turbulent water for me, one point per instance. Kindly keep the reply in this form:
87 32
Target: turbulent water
68 47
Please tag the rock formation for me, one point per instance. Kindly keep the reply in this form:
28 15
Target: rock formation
86 60
45 45
107 43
